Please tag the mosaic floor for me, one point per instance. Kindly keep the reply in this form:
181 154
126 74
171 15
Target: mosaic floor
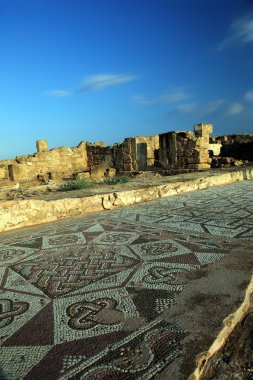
83 298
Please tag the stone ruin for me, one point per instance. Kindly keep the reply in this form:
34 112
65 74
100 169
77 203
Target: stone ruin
173 152
234 150
186 150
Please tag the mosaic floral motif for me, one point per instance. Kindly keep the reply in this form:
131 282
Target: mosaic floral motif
84 298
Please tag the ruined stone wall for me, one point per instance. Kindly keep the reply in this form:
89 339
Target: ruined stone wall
167 154
99 154
123 155
173 150
4 168
59 162
136 153
238 146
152 145
202 133
215 149
185 150
235 138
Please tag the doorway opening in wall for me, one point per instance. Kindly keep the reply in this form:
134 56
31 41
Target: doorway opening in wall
11 174
142 156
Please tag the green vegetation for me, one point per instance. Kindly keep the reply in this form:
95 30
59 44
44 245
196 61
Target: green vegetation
114 180
76 184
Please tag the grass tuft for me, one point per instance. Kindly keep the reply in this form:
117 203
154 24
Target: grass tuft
76 184
114 180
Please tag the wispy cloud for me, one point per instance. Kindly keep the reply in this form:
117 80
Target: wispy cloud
59 93
213 108
169 97
186 108
209 108
234 108
240 33
94 83
249 95
102 81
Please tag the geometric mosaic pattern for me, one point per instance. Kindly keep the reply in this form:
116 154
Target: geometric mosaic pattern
225 211
83 298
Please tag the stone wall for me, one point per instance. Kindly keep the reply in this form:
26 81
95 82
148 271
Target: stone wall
215 149
123 156
238 146
172 150
146 150
98 154
186 150
55 163
136 153
21 213
235 138
5 168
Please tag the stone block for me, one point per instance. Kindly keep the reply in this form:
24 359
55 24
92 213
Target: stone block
128 167
203 129
3 172
42 145
83 175
99 171
19 172
215 149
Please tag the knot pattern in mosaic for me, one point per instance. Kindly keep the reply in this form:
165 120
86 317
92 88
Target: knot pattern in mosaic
84 298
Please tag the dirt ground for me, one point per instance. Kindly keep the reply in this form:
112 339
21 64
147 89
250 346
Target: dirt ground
36 190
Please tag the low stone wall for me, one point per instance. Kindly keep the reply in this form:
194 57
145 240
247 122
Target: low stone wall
22 213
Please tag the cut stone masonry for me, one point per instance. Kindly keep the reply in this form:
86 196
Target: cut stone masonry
185 149
172 151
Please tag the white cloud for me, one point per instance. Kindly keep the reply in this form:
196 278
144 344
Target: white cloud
213 108
101 81
187 108
59 93
234 108
249 95
169 97
209 108
241 32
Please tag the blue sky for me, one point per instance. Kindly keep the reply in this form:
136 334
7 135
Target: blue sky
103 70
